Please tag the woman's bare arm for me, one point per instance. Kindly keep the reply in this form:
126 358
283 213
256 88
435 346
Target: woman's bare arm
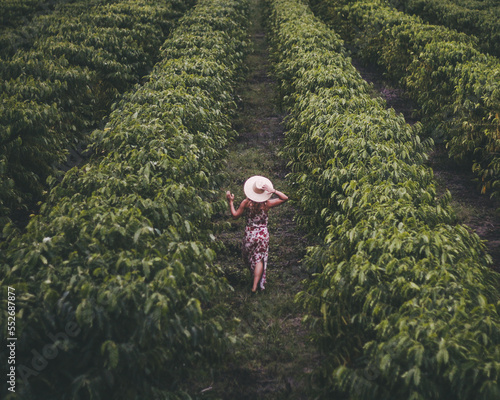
236 213
282 197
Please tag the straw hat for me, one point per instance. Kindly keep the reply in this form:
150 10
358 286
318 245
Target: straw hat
253 188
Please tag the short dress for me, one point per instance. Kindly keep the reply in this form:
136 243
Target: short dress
256 241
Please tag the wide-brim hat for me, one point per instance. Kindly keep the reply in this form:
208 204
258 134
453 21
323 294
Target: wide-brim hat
253 188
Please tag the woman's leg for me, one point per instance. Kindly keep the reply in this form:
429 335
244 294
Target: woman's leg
257 275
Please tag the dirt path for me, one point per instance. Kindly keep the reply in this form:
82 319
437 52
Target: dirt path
276 358
479 212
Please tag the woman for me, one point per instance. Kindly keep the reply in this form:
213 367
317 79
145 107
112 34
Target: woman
258 202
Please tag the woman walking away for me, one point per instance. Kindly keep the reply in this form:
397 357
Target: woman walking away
258 202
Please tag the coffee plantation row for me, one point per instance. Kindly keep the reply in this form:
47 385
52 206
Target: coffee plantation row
15 12
402 299
481 19
61 72
114 279
456 87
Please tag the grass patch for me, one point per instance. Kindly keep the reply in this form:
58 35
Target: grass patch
274 356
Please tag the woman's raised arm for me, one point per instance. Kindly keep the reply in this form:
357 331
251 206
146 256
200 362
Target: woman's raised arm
235 213
282 197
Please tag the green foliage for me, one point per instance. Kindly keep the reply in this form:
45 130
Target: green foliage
455 85
15 12
60 75
480 19
403 300
124 247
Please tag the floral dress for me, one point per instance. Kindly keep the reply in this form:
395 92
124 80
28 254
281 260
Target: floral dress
256 240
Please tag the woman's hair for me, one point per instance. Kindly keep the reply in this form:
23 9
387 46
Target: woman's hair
257 206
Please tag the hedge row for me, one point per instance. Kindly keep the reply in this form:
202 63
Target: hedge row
403 300
15 12
60 74
456 86
114 280
483 22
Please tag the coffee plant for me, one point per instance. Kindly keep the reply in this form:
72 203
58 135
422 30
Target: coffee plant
402 299
481 19
17 12
115 278
455 85
61 72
